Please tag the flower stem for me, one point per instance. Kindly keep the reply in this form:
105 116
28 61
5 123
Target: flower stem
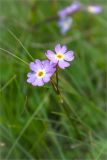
57 77
54 86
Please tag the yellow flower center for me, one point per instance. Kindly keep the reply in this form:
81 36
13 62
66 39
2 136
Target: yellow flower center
59 56
65 24
40 73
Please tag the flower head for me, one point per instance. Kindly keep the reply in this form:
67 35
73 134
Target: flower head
65 24
73 7
69 10
61 56
95 9
41 72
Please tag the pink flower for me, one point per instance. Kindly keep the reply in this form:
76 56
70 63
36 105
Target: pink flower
41 72
61 56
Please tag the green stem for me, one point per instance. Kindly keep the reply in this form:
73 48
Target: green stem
64 106
57 78
56 89
54 86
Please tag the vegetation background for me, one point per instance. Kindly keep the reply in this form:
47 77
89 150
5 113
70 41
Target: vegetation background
33 123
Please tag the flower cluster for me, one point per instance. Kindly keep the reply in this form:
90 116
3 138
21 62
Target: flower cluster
65 21
69 10
42 71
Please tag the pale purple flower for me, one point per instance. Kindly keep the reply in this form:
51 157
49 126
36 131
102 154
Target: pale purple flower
41 72
62 13
73 7
69 10
95 9
61 56
65 24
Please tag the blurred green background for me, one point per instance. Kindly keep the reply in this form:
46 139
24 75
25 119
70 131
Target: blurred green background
33 124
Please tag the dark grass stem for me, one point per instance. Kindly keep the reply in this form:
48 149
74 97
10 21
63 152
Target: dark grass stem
56 87
57 77
63 106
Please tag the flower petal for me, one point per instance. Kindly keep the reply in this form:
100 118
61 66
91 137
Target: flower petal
73 7
33 66
38 64
31 77
29 74
38 82
62 13
48 66
57 48
69 56
63 50
46 78
63 64
51 56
